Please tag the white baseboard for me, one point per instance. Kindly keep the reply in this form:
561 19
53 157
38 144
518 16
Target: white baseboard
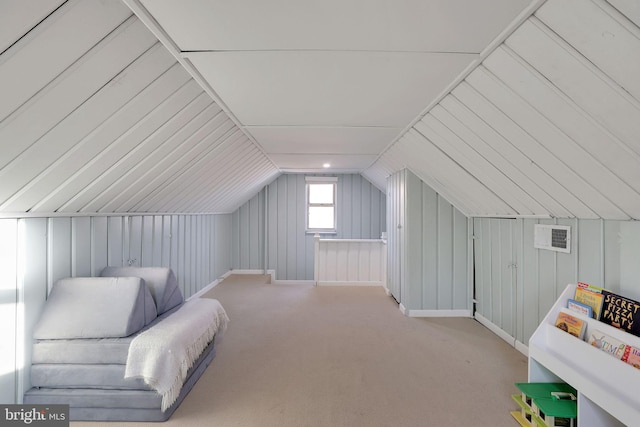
271 273
522 348
402 309
438 313
495 329
294 282
349 283
205 289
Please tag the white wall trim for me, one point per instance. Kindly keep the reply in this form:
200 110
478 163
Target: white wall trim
205 289
495 329
403 309
522 348
438 313
339 283
294 282
271 273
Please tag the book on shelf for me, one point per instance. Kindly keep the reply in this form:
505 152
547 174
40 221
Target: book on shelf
589 287
607 343
579 307
591 298
620 312
631 355
571 324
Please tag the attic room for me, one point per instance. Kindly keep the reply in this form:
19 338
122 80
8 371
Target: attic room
155 133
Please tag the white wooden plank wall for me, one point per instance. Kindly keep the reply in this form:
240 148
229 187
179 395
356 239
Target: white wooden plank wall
35 252
289 249
112 123
427 248
546 126
603 253
350 262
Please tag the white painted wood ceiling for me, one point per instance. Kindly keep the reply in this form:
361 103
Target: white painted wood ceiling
505 107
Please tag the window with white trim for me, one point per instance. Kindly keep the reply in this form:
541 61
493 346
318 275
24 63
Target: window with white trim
321 204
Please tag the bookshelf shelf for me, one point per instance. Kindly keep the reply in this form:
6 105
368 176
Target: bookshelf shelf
607 387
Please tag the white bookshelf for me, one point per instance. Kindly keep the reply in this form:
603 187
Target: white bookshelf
608 389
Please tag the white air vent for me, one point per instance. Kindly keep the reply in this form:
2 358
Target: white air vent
552 237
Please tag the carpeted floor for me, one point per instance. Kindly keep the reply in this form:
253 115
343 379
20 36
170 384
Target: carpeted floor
297 355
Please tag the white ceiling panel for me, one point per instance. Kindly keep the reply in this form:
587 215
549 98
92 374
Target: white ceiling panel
18 17
568 117
73 96
124 171
22 73
587 86
343 163
476 164
158 168
507 137
628 8
86 133
607 41
575 169
119 185
504 107
119 134
323 140
389 25
327 88
427 160
489 145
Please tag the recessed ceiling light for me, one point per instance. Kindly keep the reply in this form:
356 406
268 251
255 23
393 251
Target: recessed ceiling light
326 165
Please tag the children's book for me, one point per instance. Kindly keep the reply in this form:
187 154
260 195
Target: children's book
620 312
570 324
606 343
579 307
591 298
592 288
632 356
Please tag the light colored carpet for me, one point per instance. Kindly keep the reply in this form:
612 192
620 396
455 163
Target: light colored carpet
297 355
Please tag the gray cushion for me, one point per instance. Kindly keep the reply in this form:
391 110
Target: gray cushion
161 282
63 375
96 307
89 350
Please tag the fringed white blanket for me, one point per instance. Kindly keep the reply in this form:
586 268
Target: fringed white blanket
163 354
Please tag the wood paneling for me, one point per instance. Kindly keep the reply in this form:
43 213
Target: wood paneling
36 252
427 248
515 298
112 123
289 248
546 126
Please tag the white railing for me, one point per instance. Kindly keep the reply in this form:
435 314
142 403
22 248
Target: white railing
350 262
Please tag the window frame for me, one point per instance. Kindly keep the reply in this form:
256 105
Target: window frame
310 180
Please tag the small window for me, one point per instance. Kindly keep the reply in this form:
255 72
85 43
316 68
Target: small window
321 204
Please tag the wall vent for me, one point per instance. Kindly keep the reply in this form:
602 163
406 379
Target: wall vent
552 237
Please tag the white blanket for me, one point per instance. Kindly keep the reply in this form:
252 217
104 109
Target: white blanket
163 354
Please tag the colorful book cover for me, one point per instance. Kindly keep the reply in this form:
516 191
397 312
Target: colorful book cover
607 343
590 287
570 324
590 298
632 356
620 312
579 307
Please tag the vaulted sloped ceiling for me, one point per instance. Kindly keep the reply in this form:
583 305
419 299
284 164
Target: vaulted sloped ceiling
547 125
97 116
109 106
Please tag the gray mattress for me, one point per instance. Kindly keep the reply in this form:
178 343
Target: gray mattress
93 404
83 376
88 350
